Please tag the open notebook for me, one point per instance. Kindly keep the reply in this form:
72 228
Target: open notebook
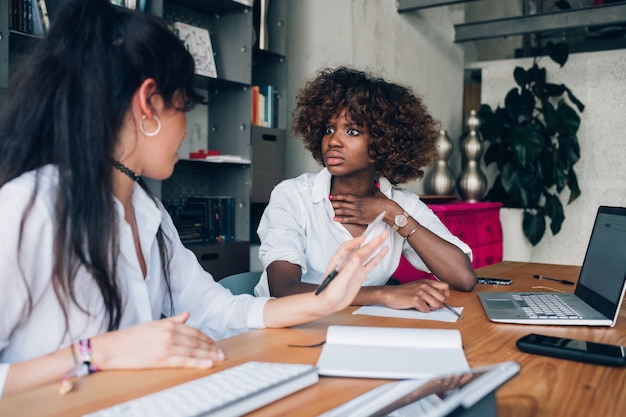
598 295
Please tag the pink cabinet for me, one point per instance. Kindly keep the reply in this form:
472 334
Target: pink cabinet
477 224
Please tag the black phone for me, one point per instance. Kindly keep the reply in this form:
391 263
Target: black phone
494 281
572 349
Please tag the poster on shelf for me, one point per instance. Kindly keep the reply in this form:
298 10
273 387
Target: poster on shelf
198 42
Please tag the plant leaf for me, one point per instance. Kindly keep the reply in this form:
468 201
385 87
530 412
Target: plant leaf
492 152
567 118
488 127
554 210
536 75
527 143
572 183
550 117
519 74
558 52
555 90
573 99
519 106
512 185
534 226
569 151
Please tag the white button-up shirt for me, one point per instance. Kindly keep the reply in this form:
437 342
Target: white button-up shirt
298 227
27 269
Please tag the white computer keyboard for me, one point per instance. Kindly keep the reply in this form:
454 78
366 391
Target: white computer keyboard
231 392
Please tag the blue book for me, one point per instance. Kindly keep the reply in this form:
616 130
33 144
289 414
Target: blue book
270 111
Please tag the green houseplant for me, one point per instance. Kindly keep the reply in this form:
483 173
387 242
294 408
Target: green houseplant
533 142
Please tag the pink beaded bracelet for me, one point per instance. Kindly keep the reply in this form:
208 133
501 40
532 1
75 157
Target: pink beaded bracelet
81 367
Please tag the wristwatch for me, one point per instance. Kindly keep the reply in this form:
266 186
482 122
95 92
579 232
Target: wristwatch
400 220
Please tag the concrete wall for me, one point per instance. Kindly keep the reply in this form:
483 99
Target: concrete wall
597 79
415 49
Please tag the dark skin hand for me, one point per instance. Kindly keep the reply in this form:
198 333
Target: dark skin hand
444 259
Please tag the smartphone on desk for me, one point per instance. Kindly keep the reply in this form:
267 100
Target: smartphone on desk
494 281
573 349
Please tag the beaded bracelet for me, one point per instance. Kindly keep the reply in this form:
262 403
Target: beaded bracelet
81 367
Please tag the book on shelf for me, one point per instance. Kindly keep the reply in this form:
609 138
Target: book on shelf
254 94
21 16
43 11
41 21
131 4
264 106
204 219
392 353
223 219
198 42
29 16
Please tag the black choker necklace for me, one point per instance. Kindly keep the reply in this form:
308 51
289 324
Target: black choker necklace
123 168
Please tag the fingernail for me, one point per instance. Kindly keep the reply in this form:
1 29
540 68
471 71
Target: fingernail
208 363
330 197
336 219
220 355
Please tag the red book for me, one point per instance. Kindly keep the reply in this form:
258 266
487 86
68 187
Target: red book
255 105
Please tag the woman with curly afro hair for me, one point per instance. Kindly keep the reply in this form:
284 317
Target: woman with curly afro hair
370 135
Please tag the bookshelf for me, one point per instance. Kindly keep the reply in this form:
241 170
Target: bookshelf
225 124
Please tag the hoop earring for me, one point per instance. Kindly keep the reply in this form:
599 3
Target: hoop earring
156 131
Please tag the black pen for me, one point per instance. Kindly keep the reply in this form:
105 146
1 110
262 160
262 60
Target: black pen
562 281
345 259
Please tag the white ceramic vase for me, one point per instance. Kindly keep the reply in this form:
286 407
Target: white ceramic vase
515 245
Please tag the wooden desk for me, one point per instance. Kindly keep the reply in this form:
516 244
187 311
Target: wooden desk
546 387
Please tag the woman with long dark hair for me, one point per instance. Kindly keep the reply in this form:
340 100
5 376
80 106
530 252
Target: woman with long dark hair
89 258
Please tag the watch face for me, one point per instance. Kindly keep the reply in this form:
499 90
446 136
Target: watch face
400 220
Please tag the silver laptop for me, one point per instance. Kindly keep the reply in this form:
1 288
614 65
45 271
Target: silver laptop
598 295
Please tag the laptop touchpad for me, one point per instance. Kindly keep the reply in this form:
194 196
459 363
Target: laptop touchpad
497 304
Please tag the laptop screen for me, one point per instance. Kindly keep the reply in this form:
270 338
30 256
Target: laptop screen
603 273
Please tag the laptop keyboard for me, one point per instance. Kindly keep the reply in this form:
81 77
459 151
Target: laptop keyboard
546 306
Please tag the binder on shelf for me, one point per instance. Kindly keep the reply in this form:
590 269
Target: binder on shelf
198 42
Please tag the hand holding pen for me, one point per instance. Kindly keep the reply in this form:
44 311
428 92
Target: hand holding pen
447 306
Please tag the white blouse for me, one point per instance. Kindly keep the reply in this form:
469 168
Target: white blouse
25 274
298 227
